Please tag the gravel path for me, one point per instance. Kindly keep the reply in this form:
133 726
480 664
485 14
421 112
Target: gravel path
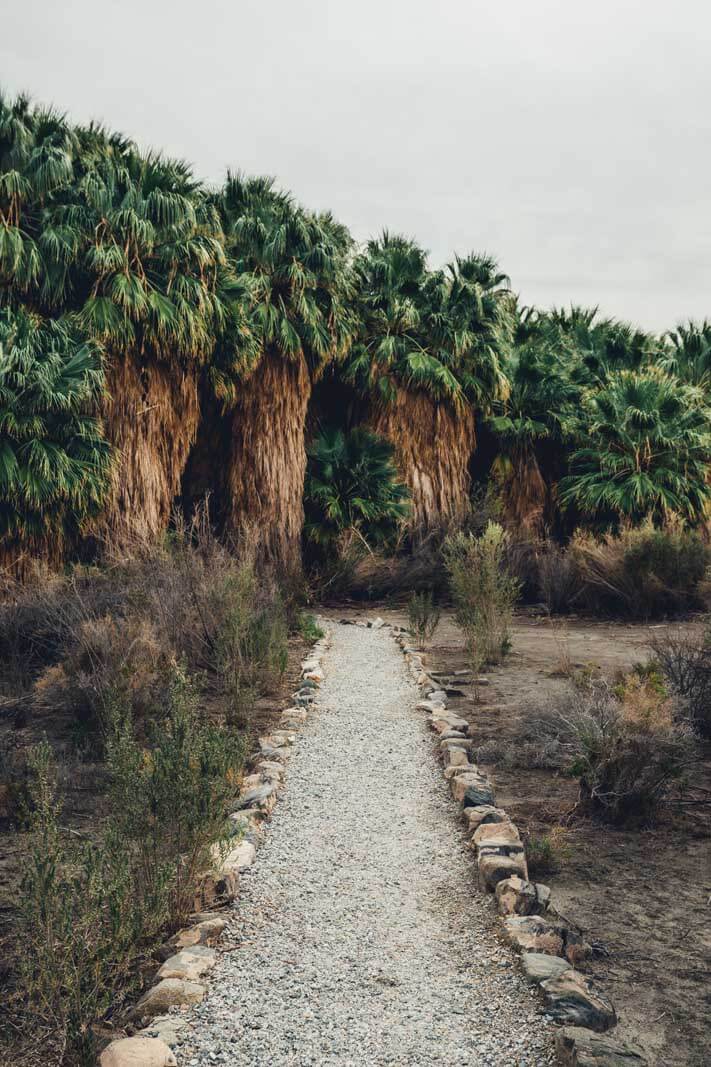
362 938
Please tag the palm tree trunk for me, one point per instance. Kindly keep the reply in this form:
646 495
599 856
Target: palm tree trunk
266 461
433 445
151 419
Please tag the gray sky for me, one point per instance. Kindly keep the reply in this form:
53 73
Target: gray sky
570 138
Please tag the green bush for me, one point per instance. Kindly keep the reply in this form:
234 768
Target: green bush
423 615
483 591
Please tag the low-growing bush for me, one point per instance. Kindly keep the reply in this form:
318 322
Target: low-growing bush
641 573
423 616
684 659
483 591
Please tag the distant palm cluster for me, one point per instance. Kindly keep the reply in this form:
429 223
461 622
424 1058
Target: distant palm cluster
161 341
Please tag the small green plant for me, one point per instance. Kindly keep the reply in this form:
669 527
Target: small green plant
423 615
308 628
545 853
483 590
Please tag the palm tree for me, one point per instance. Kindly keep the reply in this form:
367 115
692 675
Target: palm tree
352 485
131 245
54 459
645 445
688 353
428 350
294 266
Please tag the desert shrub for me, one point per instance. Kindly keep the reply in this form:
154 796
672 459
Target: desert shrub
624 747
685 662
76 640
423 615
559 580
641 573
483 591
92 910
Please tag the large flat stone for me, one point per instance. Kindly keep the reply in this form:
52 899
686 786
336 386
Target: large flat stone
189 964
137 1052
476 815
207 932
533 933
168 993
495 868
467 788
539 966
573 1000
578 1047
495 832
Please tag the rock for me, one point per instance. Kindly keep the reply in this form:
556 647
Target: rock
463 768
539 966
496 832
454 735
169 1028
283 737
190 963
442 721
377 624
207 932
572 999
577 1047
168 993
426 705
479 814
261 796
248 821
315 675
137 1052
516 896
240 858
532 933
271 770
471 790
456 757
438 696
495 867
447 743
293 716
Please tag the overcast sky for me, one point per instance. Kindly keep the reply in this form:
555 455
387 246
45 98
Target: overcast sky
570 138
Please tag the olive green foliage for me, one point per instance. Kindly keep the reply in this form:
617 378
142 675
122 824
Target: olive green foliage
440 331
645 439
54 461
352 484
483 591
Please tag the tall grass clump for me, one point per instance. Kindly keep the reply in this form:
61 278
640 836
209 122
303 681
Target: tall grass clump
483 591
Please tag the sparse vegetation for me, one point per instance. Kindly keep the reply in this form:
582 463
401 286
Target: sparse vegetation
483 591
423 616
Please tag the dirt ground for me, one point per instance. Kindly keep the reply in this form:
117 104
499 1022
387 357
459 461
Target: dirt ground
642 896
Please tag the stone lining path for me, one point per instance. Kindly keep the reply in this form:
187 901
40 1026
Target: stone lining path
362 937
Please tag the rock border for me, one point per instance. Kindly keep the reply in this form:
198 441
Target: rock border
191 954
550 945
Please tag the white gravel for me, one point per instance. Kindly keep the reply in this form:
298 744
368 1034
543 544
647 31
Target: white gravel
362 937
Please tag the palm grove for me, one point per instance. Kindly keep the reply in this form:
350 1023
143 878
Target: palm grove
161 340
